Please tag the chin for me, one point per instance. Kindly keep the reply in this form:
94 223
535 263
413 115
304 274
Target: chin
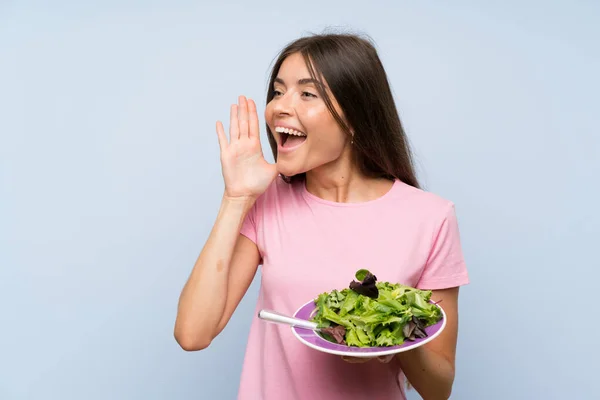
287 169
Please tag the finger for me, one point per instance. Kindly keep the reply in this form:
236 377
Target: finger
354 360
221 135
254 128
243 117
234 133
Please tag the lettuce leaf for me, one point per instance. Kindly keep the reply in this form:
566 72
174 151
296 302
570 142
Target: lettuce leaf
375 314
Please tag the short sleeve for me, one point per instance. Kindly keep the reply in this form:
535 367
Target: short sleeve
248 228
445 267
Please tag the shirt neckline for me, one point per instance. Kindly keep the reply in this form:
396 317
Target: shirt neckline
311 197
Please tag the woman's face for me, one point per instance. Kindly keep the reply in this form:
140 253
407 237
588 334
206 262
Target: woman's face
307 135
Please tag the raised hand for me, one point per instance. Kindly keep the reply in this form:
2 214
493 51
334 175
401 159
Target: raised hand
245 170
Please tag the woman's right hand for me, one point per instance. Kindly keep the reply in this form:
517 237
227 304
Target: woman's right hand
246 172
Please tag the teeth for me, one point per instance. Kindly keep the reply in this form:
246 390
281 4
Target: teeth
289 131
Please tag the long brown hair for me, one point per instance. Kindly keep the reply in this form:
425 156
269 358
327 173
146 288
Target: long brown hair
355 75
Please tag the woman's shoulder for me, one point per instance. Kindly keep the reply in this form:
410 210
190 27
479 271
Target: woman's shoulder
421 201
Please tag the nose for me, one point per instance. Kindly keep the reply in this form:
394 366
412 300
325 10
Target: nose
284 104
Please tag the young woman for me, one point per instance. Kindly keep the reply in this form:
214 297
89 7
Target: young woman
341 196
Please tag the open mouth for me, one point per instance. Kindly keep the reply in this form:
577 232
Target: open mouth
290 137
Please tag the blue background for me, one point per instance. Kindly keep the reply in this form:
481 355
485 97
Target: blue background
110 181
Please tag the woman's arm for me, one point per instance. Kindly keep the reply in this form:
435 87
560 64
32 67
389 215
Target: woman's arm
222 274
430 368
228 262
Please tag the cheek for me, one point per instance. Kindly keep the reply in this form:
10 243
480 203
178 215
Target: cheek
268 111
317 117
329 132
328 145
322 125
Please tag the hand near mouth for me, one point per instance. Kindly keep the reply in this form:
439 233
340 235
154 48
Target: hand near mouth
245 171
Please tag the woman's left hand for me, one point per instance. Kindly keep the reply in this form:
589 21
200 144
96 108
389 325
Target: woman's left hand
360 360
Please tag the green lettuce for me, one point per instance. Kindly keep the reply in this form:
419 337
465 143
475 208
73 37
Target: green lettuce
375 314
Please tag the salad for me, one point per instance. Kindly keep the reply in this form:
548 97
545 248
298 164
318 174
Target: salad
375 314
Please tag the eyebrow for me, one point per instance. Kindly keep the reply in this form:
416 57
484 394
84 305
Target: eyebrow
303 81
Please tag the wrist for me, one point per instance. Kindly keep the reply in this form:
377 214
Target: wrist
241 203
239 200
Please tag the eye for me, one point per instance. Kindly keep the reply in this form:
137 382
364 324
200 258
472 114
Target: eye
308 94
276 93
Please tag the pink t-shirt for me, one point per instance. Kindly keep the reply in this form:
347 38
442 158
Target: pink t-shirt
309 246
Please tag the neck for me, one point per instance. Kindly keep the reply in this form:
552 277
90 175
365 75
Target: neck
342 182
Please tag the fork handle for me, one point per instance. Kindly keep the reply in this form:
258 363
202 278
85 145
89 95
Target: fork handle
278 318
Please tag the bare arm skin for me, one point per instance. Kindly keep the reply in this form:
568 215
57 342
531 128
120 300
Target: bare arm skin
430 368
